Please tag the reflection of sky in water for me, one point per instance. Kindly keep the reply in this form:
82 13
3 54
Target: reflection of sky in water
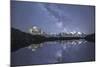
63 43
54 52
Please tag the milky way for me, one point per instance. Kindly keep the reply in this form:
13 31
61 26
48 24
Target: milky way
53 18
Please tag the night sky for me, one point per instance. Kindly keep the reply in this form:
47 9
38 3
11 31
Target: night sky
52 18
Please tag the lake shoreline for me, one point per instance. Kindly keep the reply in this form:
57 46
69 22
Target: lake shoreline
21 39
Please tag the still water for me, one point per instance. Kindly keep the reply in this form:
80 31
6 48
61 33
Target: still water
54 52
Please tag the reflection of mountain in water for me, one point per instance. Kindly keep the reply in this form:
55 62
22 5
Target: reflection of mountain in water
31 50
33 47
69 47
90 37
21 39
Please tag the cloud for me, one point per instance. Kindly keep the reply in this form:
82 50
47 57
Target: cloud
64 29
59 24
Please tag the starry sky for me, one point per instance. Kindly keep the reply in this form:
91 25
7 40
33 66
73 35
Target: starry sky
52 17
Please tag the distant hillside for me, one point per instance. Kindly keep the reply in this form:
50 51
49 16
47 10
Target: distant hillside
90 37
21 39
